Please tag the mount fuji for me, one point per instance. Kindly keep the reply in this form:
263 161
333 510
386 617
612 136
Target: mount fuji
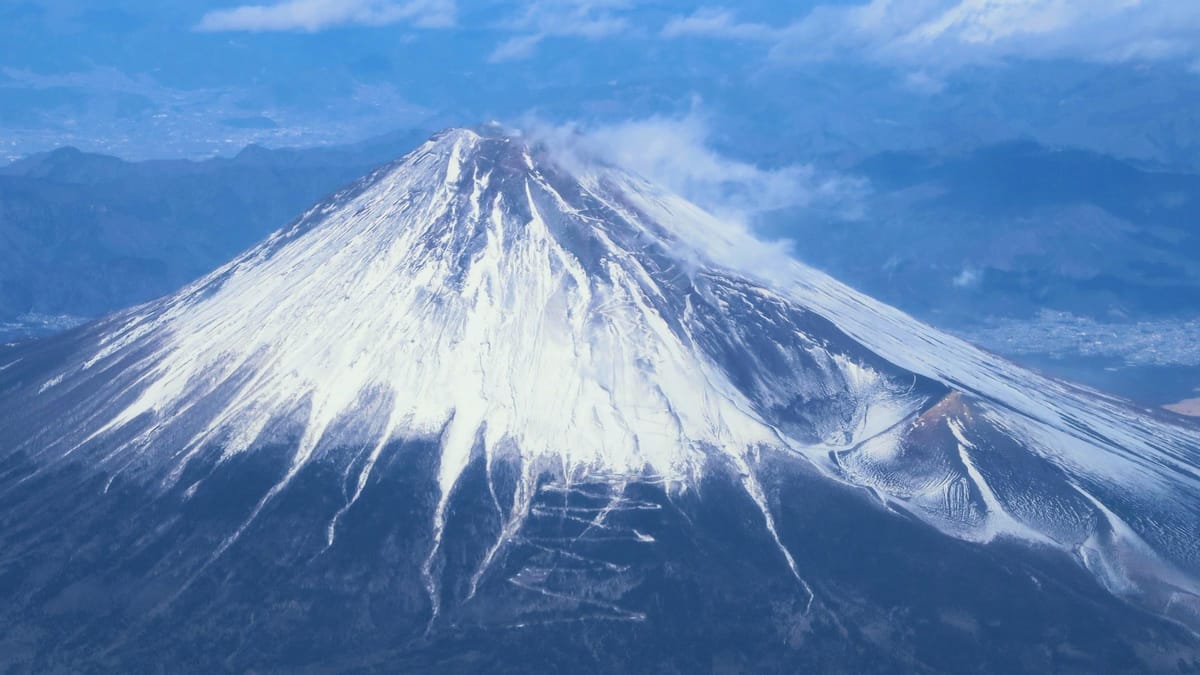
496 407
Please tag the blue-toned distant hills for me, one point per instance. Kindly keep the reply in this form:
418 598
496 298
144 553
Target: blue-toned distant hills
85 234
1012 229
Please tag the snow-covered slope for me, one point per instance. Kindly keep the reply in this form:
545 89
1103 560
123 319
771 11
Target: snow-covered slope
572 320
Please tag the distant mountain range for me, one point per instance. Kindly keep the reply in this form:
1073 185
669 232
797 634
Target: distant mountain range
1014 229
1081 265
83 234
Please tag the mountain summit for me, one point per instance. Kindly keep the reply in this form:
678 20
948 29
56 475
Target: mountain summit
493 397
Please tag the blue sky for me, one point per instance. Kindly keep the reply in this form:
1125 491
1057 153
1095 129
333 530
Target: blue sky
765 80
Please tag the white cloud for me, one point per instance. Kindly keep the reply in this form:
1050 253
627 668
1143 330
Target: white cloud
677 153
969 277
516 48
315 15
717 23
590 19
922 82
947 33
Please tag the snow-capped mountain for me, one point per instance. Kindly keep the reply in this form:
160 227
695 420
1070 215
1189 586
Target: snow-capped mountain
524 353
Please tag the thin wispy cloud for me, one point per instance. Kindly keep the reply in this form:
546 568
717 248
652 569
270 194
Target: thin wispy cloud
678 153
516 48
316 15
542 19
949 33
718 23
974 30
